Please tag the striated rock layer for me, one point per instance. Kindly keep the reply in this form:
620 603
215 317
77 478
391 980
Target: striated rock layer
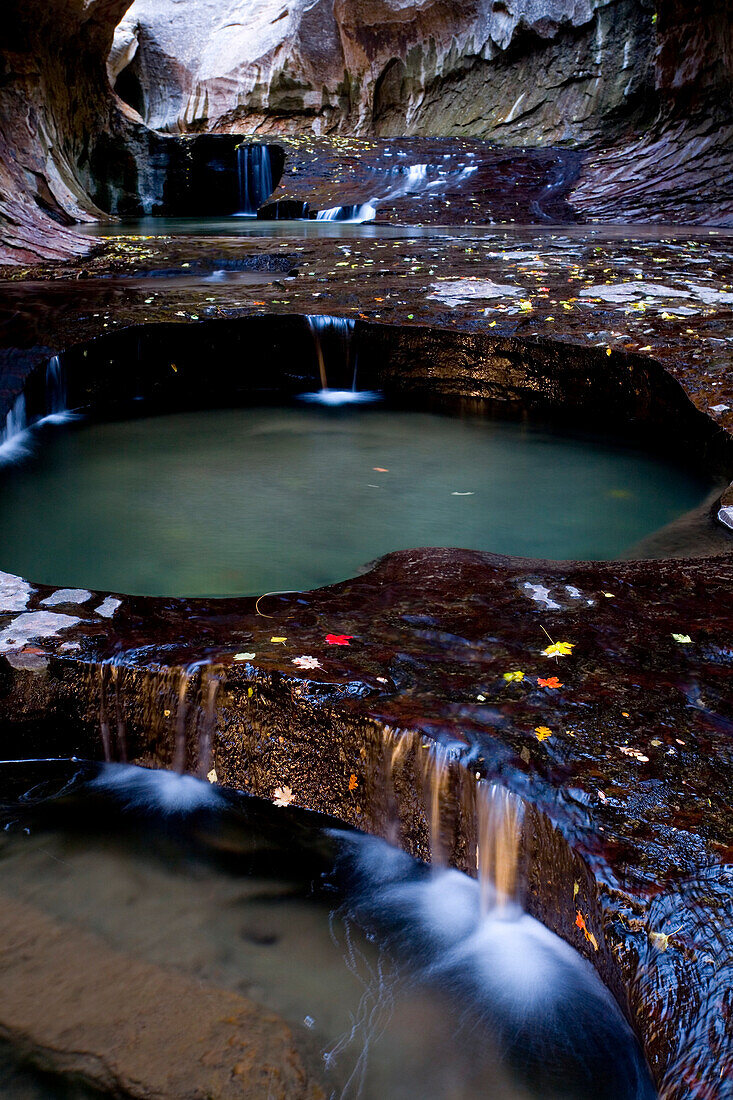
523 71
648 87
54 100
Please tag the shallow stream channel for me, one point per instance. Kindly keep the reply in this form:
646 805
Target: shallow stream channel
297 957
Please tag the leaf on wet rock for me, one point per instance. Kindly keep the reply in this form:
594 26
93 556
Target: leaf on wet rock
559 649
306 662
353 782
550 682
634 754
683 639
283 796
543 732
513 677
339 639
580 923
244 656
660 940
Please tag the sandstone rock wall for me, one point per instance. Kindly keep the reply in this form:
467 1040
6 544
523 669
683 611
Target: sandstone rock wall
54 100
522 71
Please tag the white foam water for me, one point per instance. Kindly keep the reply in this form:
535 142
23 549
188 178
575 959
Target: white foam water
16 437
154 790
350 215
554 1019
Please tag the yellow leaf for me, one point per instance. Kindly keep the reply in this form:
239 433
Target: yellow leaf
559 649
543 732
511 677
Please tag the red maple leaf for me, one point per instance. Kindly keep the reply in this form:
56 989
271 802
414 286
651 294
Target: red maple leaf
550 682
338 639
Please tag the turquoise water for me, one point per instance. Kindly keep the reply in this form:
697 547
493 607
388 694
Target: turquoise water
245 501
253 227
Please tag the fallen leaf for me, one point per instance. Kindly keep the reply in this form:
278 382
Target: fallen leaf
559 649
279 639
660 940
339 639
353 782
543 732
634 754
511 677
211 776
244 656
307 662
550 682
283 796
683 639
580 922
380 469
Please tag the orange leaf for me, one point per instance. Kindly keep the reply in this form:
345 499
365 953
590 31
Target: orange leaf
550 682
353 782
580 922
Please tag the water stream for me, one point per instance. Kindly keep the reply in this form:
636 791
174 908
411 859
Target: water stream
393 981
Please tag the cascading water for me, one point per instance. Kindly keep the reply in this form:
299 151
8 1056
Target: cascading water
55 390
254 170
178 703
410 180
335 333
14 435
13 432
355 214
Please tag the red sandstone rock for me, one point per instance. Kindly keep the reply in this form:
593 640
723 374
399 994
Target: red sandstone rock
74 1006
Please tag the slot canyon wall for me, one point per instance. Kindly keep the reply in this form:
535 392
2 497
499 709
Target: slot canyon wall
645 87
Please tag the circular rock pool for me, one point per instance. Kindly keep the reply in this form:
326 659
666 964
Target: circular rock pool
249 500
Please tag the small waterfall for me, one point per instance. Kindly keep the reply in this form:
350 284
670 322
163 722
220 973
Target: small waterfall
16 420
333 343
55 389
499 815
13 433
436 764
172 707
110 676
355 214
474 823
417 176
254 170
204 715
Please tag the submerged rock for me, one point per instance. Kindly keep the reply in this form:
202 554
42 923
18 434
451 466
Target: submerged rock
75 1006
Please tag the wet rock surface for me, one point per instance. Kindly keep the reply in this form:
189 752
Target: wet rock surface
631 785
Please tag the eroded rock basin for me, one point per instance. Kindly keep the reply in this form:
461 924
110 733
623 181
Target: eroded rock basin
246 501
432 634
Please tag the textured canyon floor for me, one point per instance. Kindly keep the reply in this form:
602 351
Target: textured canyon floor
636 773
